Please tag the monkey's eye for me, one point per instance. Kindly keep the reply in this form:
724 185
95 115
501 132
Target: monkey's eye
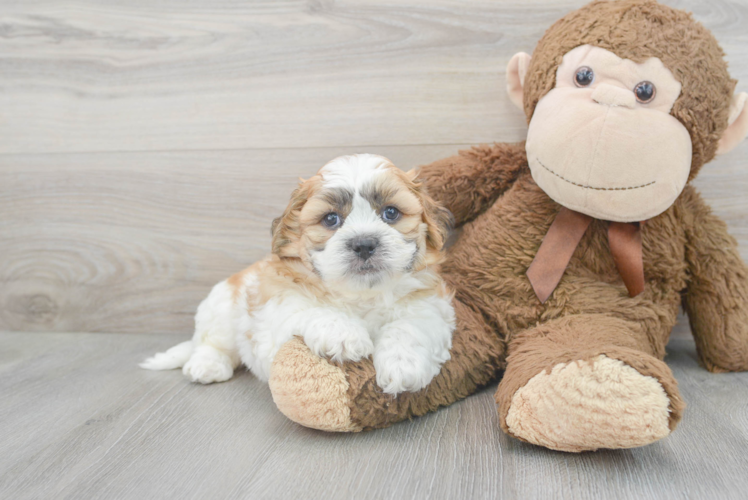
645 91
390 214
331 220
584 76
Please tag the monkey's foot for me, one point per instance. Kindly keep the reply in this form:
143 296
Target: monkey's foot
586 405
316 393
310 390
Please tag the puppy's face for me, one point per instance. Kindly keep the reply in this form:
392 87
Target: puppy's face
361 221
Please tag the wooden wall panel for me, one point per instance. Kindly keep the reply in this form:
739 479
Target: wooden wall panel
153 76
131 242
146 146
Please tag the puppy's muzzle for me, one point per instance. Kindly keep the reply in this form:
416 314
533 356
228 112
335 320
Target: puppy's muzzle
364 246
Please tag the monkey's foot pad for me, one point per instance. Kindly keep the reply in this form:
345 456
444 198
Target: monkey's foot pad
309 390
586 405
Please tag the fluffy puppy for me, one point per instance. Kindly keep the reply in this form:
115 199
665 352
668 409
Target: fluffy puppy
354 272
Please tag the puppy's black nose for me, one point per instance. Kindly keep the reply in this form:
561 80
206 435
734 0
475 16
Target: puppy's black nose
364 247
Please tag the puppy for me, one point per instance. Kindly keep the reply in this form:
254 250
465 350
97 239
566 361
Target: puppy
354 272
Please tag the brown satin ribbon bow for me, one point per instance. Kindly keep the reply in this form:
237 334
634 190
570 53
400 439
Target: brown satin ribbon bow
562 239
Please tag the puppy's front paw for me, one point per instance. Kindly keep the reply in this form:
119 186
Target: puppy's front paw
208 365
403 370
407 358
338 338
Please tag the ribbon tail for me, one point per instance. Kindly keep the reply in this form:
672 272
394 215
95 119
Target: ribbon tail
555 251
625 241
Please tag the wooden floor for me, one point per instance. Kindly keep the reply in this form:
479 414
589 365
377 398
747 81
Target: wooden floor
145 148
79 420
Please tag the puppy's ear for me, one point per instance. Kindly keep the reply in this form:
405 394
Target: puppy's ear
274 225
438 219
285 229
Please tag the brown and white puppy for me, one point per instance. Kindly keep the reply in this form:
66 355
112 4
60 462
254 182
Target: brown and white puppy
354 272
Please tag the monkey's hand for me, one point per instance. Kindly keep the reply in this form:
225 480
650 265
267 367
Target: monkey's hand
468 183
717 296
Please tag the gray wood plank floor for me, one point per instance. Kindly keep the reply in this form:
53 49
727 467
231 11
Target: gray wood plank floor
80 420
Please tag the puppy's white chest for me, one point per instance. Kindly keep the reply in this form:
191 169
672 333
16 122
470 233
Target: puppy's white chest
288 317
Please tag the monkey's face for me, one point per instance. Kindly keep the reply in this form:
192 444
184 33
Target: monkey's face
603 142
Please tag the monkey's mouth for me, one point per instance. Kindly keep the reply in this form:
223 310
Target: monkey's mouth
596 188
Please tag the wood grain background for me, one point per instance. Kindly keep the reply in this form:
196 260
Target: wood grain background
146 146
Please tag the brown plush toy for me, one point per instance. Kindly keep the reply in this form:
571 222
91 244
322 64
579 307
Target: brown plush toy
578 247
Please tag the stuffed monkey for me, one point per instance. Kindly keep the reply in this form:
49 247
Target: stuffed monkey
578 246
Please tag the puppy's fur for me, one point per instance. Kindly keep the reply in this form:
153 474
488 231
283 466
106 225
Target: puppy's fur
356 283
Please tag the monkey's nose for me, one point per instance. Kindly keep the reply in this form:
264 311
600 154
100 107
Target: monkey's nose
610 95
364 247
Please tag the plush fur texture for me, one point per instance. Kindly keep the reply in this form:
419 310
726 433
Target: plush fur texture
689 259
297 373
578 406
354 273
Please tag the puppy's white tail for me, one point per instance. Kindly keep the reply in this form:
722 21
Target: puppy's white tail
176 357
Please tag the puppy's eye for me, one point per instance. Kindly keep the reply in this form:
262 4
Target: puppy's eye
645 91
390 214
584 76
331 220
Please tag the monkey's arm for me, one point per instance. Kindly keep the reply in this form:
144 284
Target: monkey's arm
468 183
717 296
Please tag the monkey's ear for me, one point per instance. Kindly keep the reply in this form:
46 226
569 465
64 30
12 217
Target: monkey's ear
515 77
737 127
